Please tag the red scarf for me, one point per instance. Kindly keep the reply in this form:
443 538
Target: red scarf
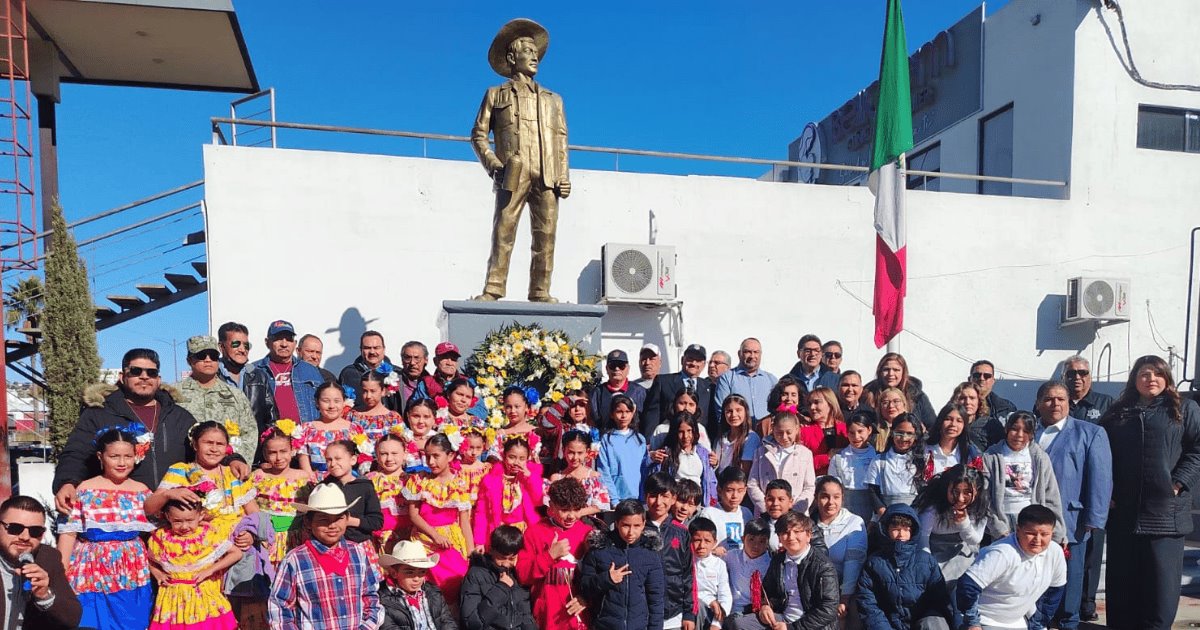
336 561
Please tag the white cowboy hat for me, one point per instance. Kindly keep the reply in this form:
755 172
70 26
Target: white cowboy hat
515 29
327 498
411 553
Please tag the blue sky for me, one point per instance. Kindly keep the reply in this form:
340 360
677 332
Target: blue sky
700 77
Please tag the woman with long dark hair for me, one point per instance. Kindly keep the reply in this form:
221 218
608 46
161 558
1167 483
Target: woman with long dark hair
1156 466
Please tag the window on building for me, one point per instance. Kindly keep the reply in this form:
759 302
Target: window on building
927 159
996 150
1168 129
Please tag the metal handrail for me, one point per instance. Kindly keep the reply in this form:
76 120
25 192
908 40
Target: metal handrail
218 137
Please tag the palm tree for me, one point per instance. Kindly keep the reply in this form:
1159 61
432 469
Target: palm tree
23 303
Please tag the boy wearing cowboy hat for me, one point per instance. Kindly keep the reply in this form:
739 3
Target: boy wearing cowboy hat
409 601
326 582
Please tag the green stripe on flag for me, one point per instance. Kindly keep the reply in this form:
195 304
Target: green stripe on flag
893 115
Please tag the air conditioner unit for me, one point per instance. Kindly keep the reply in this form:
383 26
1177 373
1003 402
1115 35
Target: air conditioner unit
639 274
1097 299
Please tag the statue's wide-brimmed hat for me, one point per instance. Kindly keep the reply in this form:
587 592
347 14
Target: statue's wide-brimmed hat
515 29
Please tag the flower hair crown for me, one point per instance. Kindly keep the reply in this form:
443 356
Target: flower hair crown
143 439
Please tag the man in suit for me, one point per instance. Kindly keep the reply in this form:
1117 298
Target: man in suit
1082 460
47 601
1087 404
809 371
530 160
661 397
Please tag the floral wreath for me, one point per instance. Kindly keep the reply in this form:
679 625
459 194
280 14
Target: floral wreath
143 438
544 363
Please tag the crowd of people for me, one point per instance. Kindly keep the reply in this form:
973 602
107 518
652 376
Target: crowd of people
275 494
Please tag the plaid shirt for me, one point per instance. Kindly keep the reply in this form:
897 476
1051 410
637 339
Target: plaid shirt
304 596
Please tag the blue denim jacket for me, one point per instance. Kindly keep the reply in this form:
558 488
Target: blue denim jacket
305 380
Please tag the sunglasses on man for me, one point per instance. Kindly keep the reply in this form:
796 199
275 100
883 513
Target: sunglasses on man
833 355
210 355
15 529
982 376
238 343
1077 373
136 371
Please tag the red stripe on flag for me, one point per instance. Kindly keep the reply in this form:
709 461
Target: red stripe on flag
890 287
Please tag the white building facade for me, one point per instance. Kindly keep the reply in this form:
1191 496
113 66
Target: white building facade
340 243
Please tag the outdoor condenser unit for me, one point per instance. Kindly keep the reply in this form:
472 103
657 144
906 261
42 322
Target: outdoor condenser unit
1097 299
639 274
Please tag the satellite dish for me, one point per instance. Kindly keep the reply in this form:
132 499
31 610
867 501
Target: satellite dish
632 271
1098 298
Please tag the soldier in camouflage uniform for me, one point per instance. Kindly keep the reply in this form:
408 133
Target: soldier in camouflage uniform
209 398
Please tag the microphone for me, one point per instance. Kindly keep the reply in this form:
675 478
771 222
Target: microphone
22 560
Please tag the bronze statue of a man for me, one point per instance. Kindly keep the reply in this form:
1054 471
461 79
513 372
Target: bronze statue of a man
529 164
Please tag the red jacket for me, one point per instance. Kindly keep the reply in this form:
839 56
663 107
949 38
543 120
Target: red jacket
813 437
551 581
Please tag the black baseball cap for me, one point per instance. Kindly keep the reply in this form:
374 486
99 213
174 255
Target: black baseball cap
695 350
617 356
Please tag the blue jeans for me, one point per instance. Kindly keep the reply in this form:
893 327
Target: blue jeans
1068 610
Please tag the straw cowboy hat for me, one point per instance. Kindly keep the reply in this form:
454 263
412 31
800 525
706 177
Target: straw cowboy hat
515 29
411 553
327 498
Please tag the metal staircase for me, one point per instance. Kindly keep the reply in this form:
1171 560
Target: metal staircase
177 284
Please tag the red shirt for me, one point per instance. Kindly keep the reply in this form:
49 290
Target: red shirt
148 414
285 395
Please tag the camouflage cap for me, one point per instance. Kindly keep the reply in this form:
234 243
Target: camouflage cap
200 343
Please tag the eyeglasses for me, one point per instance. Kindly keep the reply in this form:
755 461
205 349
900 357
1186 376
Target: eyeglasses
716 362
239 344
134 370
833 355
616 365
409 358
810 350
1077 373
15 529
904 434
890 402
206 355
580 404
982 376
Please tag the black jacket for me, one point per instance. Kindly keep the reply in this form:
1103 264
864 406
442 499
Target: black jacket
367 510
679 571
488 603
1092 406
601 403
351 376
999 406
105 406
1152 452
661 398
637 602
818 586
254 385
396 615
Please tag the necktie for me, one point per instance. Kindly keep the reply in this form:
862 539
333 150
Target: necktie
691 384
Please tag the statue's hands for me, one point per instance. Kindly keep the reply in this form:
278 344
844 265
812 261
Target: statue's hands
564 189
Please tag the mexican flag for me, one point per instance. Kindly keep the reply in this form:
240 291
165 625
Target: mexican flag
893 137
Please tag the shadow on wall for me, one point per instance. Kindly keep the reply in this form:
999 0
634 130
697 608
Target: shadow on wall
1052 336
628 326
349 329
590 284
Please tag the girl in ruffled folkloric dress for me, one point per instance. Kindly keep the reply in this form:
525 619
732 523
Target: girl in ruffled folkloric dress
189 557
101 538
279 488
389 478
578 455
206 481
439 504
332 426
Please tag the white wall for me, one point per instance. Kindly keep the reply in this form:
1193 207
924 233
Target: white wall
336 242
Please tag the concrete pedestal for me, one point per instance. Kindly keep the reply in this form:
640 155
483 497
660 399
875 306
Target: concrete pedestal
467 322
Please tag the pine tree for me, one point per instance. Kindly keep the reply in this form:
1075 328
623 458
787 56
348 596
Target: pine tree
69 348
